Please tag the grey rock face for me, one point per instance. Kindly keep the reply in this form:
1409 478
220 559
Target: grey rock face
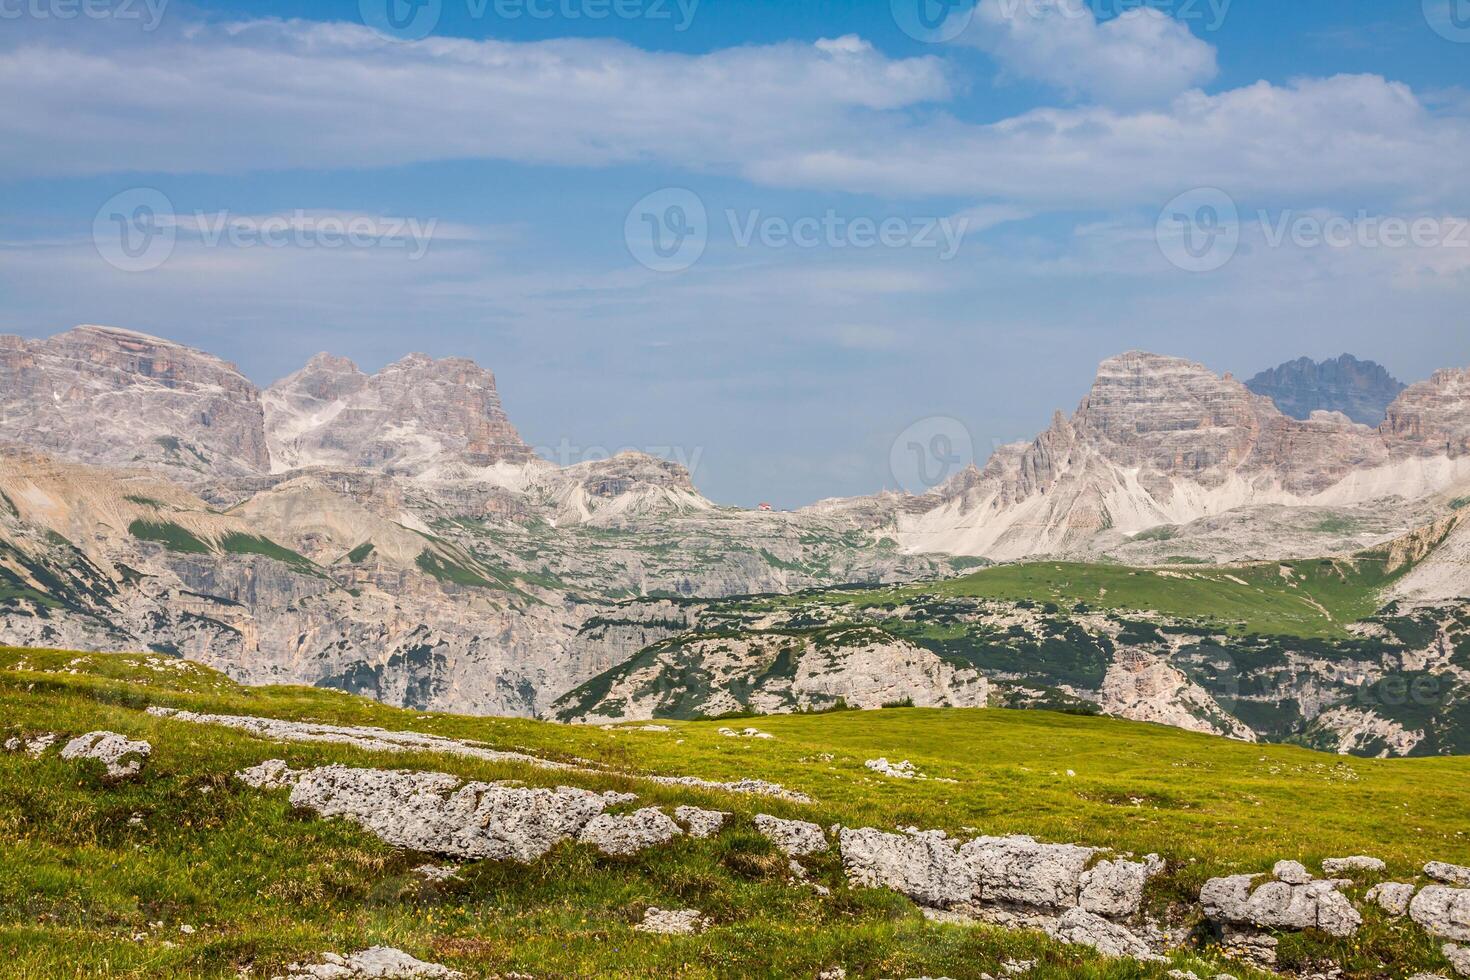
122 757
1023 871
377 963
103 395
1392 896
1291 872
794 838
671 922
1280 905
1079 927
1443 912
434 813
926 866
414 415
1459 957
1334 867
271 774
624 834
1115 888
700 823
1361 390
1450 874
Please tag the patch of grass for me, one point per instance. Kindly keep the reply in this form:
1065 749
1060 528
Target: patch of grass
251 544
170 535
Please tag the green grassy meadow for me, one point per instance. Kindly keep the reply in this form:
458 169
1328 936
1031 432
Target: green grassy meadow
84 892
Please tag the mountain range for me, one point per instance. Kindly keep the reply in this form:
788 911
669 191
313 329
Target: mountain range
391 534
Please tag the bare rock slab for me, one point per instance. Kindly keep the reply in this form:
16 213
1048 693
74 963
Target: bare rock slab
377 963
122 757
623 834
794 838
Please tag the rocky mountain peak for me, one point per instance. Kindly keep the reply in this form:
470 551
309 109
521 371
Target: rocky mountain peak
416 414
107 395
1432 417
1361 390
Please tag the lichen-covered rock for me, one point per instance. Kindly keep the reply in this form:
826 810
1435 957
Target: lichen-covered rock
1391 896
1291 872
1023 871
434 813
700 823
1079 927
1115 888
925 866
623 834
1280 905
122 757
35 746
1336 867
671 922
1443 912
1459 957
1449 874
377 963
271 774
794 838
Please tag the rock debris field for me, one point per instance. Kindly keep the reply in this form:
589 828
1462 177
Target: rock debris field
1076 894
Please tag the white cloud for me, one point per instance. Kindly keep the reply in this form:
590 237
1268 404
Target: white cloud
837 115
1142 57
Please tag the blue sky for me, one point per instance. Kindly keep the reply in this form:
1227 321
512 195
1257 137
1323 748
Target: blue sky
498 174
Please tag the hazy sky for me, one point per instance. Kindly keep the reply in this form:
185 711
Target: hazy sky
761 236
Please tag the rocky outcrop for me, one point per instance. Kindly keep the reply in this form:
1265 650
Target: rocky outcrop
1392 896
623 834
794 838
1442 911
671 922
440 814
412 417
102 395
377 963
122 757
700 823
773 673
1280 905
1361 390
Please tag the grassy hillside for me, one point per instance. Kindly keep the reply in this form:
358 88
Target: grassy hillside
1316 598
85 867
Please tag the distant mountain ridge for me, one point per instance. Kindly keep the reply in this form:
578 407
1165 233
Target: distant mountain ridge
1361 390
391 534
